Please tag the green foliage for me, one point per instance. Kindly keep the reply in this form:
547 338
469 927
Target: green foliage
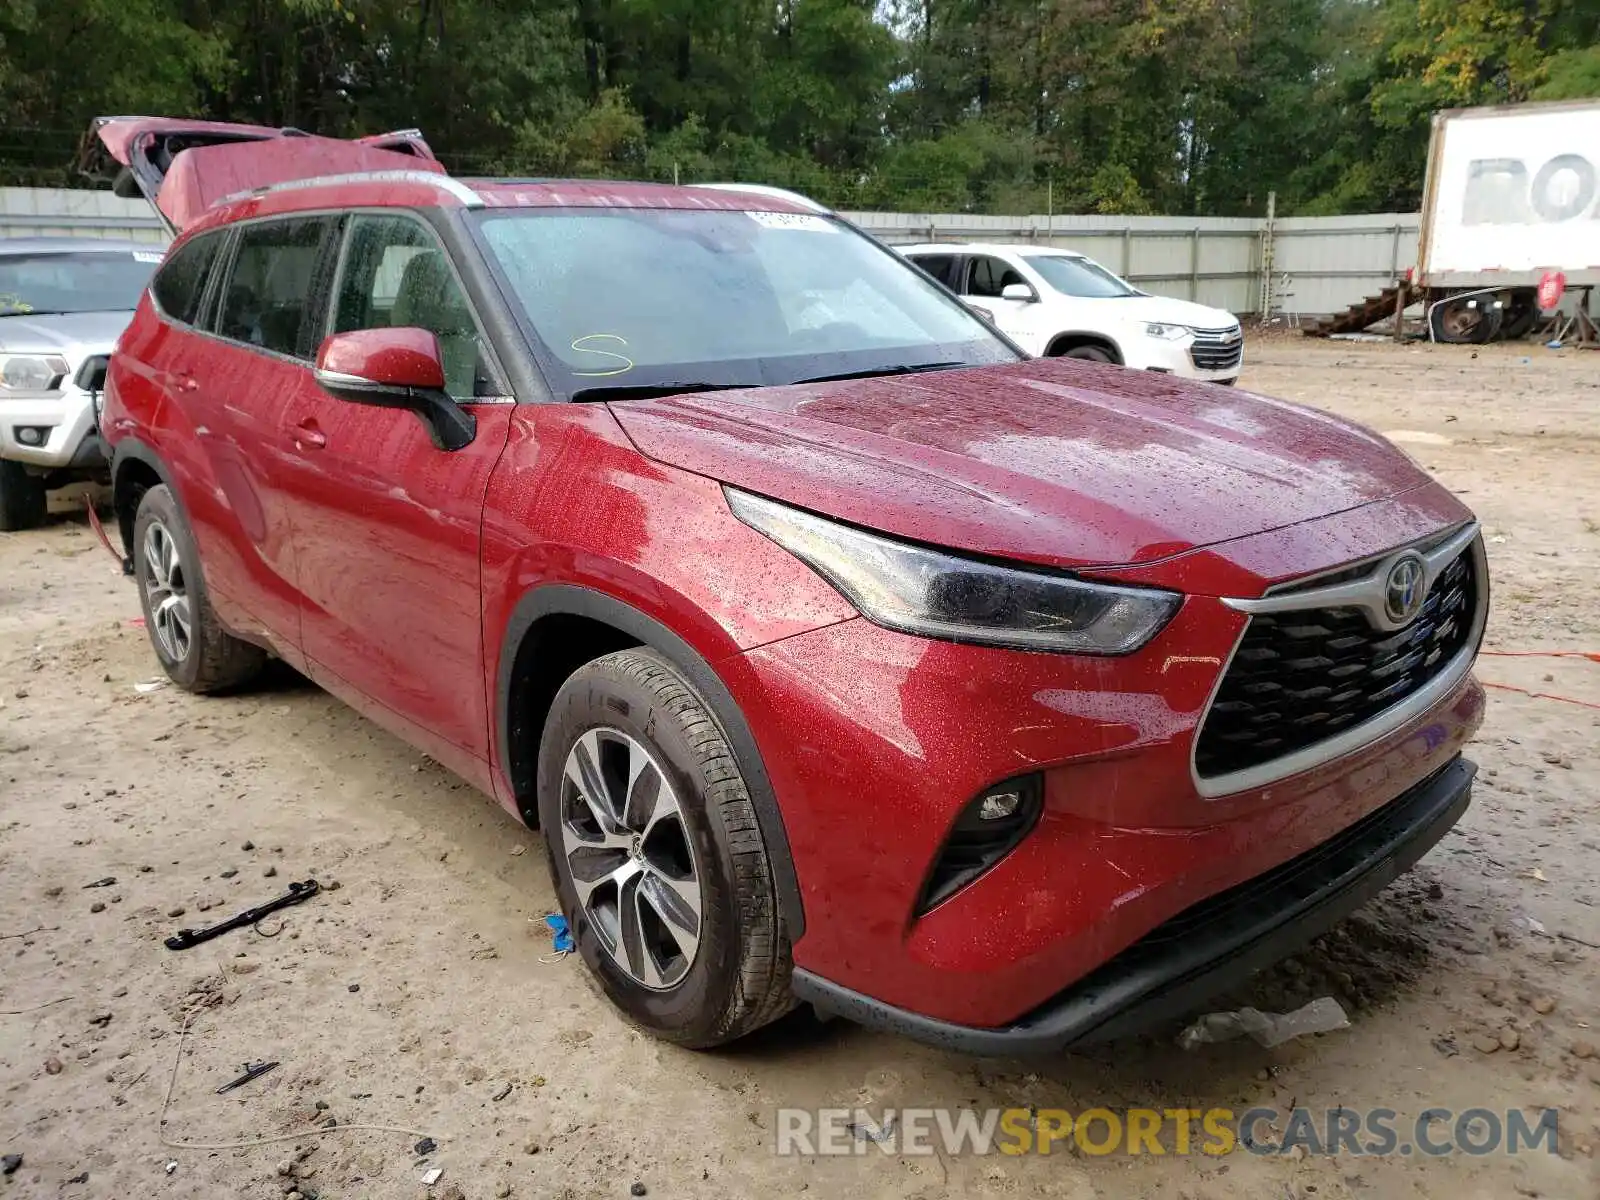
1571 75
1191 106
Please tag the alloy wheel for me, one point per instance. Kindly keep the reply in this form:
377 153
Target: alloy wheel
167 592
628 853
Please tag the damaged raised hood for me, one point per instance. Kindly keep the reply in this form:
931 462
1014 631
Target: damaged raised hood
184 167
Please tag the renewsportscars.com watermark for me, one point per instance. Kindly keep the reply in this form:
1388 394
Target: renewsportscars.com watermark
1434 1132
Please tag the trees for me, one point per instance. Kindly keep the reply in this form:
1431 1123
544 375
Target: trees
1191 106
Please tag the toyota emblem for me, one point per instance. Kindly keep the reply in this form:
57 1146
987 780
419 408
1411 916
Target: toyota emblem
1403 589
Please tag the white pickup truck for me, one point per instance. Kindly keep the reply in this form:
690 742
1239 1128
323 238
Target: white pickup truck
63 302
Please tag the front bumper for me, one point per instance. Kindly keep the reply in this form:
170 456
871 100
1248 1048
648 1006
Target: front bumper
68 419
1145 353
874 742
1208 947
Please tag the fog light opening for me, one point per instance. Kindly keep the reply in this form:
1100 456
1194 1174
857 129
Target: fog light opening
991 825
997 806
32 435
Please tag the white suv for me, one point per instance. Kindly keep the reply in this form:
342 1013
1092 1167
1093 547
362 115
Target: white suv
63 301
1058 303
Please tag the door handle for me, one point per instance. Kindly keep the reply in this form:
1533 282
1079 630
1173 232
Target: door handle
306 436
186 381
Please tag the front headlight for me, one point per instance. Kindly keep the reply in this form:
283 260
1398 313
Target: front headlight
32 373
940 595
1167 333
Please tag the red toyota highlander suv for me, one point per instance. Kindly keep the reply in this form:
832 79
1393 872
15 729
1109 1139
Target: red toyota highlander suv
843 655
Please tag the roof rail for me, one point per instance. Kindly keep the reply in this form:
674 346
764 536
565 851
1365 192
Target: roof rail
762 189
454 187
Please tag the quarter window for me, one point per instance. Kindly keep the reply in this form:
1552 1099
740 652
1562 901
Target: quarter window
396 275
940 266
271 286
181 281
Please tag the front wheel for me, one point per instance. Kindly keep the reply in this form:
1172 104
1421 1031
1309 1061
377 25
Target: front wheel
198 654
656 854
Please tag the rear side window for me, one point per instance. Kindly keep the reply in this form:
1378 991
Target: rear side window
181 281
941 266
271 287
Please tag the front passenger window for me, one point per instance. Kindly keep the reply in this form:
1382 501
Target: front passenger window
396 274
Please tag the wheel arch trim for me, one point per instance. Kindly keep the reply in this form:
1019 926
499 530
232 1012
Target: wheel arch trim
558 599
1086 335
131 449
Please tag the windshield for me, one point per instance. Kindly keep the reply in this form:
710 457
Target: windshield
634 299
1072 276
70 282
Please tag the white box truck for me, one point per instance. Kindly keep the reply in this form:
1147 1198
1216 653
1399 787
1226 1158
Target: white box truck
1512 195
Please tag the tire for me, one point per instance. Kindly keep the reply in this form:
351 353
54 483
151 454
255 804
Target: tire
22 498
1091 353
195 651
1457 322
686 834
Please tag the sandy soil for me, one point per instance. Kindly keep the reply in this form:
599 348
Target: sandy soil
416 993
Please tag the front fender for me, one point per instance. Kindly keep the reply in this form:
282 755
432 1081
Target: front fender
567 599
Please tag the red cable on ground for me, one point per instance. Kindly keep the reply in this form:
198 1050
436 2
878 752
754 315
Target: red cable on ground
1540 654
1506 687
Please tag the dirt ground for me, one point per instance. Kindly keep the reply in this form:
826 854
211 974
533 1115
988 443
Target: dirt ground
421 989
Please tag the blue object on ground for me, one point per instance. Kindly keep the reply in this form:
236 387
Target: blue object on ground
563 935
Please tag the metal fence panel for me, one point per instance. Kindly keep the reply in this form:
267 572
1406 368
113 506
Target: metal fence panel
68 212
1329 262
1332 262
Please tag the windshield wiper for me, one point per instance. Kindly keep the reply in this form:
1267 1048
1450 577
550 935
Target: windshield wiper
647 391
901 369
37 312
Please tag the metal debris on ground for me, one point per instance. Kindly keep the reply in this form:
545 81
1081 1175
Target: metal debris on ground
251 1071
297 893
1322 1015
431 1177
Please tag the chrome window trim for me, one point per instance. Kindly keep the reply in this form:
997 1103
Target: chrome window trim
1382 724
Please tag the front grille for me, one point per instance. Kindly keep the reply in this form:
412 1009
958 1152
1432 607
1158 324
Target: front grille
1216 349
1301 676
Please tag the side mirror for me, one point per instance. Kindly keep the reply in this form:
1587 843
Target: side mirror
91 376
1019 291
395 368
